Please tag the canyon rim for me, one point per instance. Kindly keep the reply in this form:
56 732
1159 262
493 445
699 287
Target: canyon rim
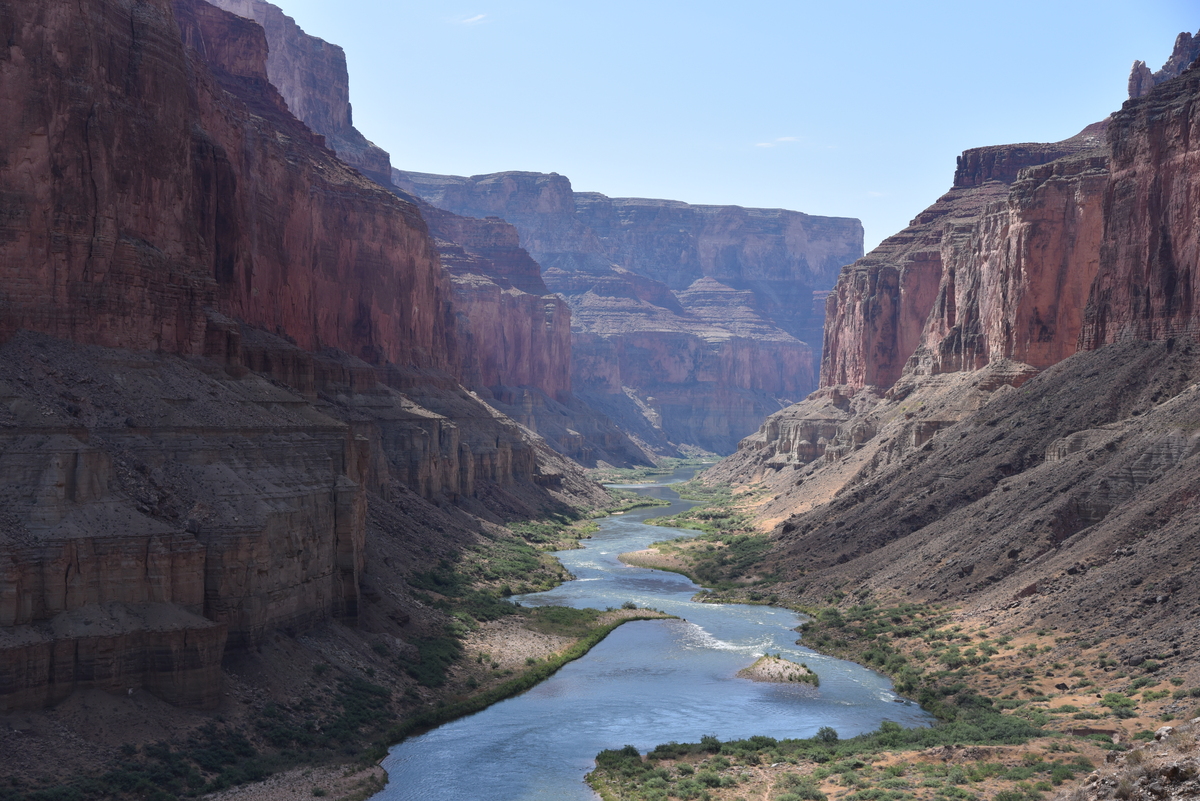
282 425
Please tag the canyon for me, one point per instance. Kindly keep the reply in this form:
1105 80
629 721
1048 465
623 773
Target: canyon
689 323
234 402
668 328
1019 364
260 391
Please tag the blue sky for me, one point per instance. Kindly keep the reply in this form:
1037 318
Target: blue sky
849 109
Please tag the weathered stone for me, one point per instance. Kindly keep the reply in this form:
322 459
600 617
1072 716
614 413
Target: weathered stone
977 276
688 321
1148 284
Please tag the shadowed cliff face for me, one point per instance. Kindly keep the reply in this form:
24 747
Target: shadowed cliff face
689 321
1149 276
160 512
143 196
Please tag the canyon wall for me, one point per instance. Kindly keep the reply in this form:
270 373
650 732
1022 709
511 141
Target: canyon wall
1037 250
163 512
976 276
1043 398
513 335
689 321
1148 281
311 75
1015 285
125 217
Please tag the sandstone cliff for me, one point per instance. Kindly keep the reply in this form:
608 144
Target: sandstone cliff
1149 276
688 320
981 274
126 217
513 336
1044 402
162 513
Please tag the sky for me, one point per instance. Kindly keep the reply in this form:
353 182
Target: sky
854 109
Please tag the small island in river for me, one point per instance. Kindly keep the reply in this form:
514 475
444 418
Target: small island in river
778 669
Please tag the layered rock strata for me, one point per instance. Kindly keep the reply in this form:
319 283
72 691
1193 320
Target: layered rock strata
1148 285
160 512
174 184
688 320
513 334
979 274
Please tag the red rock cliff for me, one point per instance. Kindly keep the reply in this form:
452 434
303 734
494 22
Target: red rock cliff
162 187
311 75
1015 285
980 274
687 319
1148 286
160 197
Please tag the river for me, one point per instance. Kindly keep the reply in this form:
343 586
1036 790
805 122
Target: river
648 682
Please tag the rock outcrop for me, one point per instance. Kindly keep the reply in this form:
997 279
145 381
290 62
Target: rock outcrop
689 321
246 358
1148 285
978 275
1142 80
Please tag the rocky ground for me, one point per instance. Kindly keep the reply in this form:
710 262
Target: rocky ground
1165 769
341 783
776 669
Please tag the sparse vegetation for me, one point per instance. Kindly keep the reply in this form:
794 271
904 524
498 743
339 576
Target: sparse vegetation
825 765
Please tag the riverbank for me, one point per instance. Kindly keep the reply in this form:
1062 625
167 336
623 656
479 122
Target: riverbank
1030 713
1067 702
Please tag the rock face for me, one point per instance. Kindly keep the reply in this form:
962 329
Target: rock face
689 321
1149 276
311 75
979 274
1015 285
1037 251
160 512
125 217
1142 80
